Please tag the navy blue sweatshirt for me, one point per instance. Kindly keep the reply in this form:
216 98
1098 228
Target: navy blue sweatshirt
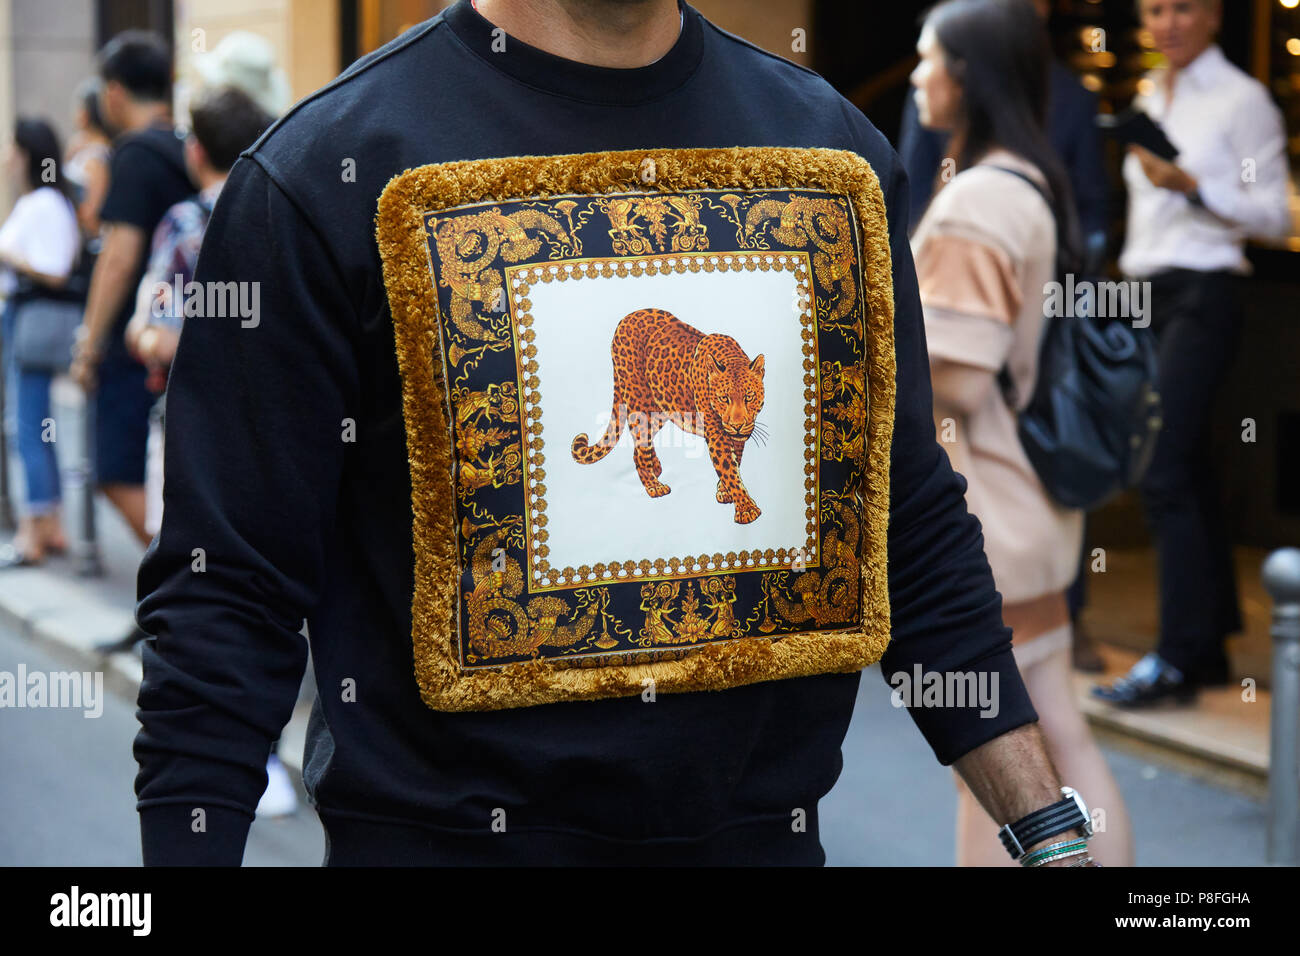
295 523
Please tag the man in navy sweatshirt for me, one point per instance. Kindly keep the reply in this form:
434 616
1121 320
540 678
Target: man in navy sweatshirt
290 493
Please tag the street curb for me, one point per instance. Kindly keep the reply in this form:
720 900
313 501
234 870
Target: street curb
51 610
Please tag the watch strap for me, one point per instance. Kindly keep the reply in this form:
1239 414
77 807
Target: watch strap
1044 823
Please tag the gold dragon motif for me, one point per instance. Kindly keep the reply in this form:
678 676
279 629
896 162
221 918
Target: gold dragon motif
822 224
469 247
499 626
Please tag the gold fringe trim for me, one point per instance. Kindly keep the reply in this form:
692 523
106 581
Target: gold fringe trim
403 246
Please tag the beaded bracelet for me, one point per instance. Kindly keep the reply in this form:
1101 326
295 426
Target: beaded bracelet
1054 852
1053 848
1059 856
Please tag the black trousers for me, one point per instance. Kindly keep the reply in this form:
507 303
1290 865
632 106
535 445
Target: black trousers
1197 321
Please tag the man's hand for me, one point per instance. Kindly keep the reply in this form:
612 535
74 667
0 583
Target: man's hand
1163 173
122 250
85 360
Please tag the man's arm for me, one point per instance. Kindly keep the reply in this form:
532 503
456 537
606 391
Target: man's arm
110 284
1253 195
1250 189
254 458
946 613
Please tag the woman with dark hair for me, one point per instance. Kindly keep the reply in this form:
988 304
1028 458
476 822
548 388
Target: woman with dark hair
86 161
39 246
984 251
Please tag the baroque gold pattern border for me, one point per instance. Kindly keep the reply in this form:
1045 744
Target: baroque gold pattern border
406 265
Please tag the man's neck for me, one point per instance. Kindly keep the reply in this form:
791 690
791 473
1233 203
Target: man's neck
143 115
207 178
623 34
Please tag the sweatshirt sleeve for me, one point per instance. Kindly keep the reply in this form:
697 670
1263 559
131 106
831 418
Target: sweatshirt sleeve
946 613
254 451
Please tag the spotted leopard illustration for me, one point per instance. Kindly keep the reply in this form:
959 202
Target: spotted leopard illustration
666 371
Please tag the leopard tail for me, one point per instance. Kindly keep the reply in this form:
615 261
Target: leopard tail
585 454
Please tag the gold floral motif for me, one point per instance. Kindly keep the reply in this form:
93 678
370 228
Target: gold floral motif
844 402
489 454
641 225
498 430
718 620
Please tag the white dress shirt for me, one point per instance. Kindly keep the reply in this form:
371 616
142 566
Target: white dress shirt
1231 139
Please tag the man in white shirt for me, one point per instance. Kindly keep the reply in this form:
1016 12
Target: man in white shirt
1187 224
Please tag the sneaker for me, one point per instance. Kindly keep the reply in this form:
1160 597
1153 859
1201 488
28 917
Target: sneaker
1151 680
279 799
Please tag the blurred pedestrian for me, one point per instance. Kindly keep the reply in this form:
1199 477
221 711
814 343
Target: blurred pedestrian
984 250
39 245
87 159
146 179
1071 127
223 123
1188 220
245 61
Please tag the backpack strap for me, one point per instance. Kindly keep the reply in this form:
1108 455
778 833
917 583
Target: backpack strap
1004 373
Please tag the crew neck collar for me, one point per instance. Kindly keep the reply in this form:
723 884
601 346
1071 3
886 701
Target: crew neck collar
582 81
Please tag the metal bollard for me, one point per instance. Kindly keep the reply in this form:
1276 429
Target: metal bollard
7 523
86 553
1282 579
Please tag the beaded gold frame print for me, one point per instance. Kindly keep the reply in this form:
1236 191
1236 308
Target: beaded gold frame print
649 398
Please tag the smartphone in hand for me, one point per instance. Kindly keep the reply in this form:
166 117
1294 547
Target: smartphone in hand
1137 128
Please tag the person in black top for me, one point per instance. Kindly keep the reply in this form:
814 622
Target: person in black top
147 176
287 464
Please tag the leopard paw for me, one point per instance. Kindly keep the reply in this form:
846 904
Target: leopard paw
656 489
723 496
746 511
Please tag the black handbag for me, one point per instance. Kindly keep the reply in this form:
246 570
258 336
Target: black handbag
1091 425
